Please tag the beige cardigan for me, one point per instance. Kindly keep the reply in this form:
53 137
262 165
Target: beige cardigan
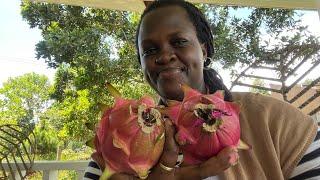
279 134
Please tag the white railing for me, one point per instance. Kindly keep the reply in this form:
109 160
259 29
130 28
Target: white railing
50 168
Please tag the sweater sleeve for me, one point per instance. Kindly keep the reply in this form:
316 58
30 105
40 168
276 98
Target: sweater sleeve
93 171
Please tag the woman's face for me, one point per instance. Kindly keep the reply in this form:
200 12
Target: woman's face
170 52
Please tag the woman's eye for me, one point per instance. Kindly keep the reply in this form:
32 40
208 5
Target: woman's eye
149 51
180 42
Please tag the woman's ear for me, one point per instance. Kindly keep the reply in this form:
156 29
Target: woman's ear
204 50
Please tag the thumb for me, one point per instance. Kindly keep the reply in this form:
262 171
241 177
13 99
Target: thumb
170 150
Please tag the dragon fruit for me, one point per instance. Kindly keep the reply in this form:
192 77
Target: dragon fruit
130 136
205 124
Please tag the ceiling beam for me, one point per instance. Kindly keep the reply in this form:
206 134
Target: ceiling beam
139 5
286 4
122 5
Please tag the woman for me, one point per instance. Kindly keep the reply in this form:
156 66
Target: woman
175 45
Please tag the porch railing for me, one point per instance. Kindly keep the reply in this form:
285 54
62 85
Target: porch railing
49 168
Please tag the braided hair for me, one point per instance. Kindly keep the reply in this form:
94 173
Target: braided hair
211 78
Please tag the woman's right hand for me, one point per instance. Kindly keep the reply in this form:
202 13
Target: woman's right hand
214 166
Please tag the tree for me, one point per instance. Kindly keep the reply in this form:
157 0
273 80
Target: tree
46 138
78 35
24 98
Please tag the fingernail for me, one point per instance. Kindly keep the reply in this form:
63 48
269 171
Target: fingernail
234 149
233 158
235 163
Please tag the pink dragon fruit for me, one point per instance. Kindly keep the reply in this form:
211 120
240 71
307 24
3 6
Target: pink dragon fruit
130 136
205 124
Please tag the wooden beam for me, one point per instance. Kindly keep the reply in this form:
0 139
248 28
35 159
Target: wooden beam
302 76
261 77
312 84
257 87
308 101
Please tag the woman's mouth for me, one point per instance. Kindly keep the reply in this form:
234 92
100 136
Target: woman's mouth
169 72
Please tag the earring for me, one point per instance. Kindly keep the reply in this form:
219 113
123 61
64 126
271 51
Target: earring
208 61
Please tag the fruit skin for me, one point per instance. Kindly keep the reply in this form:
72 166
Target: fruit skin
125 141
205 124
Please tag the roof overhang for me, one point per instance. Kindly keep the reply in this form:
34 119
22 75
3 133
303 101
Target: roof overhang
139 5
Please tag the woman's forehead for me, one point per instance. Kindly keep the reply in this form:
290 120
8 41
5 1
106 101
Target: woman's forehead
168 18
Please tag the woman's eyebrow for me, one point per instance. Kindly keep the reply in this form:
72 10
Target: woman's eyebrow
177 33
146 42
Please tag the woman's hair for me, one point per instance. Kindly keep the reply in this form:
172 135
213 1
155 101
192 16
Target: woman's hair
204 35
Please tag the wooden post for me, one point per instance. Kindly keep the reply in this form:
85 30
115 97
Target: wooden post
80 174
50 175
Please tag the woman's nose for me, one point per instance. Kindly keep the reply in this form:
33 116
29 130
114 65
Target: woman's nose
166 55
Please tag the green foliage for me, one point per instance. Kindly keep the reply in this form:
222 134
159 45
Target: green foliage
69 116
307 82
99 44
46 138
260 83
239 39
24 98
78 154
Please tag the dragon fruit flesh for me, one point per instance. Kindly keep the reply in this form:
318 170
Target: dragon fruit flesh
205 124
130 136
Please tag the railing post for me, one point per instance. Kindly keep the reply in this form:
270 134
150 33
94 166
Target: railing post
17 175
50 175
80 174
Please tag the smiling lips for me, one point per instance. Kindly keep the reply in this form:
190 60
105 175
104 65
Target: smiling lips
169 72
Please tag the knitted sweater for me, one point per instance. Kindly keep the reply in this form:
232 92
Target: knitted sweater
278 133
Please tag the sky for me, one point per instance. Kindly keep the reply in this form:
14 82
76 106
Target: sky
17 44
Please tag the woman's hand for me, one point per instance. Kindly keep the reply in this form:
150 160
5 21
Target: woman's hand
225 159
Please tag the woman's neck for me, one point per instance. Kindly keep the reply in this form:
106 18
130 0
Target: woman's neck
202 88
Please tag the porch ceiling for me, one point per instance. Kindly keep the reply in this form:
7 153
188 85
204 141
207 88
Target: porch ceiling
139 5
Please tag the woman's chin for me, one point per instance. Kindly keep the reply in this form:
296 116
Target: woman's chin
171 89
172 94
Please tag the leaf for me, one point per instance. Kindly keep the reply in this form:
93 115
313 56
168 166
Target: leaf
113 91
